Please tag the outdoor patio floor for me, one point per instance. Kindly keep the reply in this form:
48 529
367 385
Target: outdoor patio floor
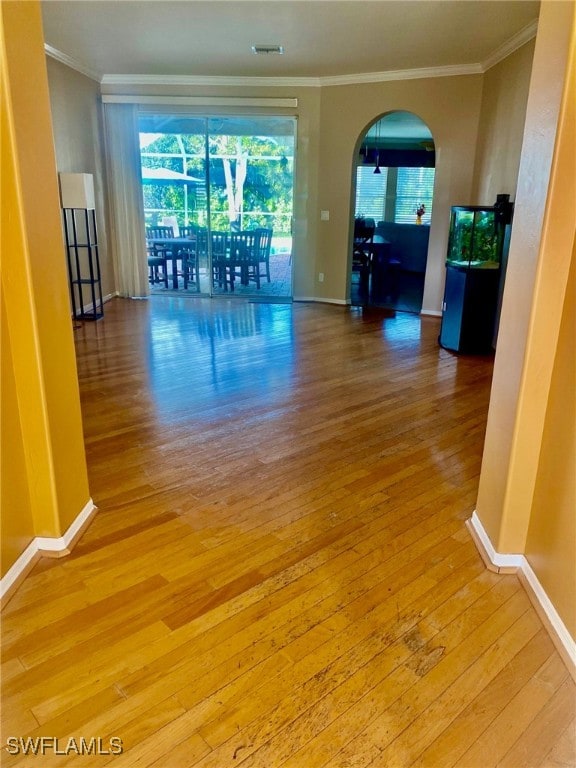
280 285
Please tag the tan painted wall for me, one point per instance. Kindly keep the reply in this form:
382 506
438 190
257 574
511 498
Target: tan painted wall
506 484
526 498
38 359
551 542
504 97
78 142
450 106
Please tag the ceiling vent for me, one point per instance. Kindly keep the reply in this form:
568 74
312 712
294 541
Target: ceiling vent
268 49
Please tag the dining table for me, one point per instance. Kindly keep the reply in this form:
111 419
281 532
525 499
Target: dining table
174 249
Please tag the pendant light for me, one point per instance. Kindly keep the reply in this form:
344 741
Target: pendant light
377 169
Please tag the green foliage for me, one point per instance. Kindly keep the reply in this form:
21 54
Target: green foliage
267 188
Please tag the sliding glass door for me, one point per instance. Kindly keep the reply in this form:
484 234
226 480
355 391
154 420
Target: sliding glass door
225 184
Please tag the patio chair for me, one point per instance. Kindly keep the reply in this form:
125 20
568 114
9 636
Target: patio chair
222 270
159 232
158 255
244 257
189 256
157 267
264 244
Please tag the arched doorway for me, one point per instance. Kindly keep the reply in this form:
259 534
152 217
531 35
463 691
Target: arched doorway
392 204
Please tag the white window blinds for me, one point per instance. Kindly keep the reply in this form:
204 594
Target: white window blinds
370 192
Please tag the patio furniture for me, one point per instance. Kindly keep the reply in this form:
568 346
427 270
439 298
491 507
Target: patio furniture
244 257
158 255
221 264
157 266
174 249
264 244
190 256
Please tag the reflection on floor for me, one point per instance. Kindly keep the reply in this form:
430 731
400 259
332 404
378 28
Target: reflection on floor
403 292
280 284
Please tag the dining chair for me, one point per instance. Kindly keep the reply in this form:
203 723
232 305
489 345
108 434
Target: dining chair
158 255
157 266
244 257
190 257
264 244
159 232
222 272
361 253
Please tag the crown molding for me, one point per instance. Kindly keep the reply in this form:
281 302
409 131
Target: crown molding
294 82
520 39
403 74
63 58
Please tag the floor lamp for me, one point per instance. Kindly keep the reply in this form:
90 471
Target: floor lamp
77 200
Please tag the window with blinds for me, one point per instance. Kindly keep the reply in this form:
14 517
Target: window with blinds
415 187
370 192
409 189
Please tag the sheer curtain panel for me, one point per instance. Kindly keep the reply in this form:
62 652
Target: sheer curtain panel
126 203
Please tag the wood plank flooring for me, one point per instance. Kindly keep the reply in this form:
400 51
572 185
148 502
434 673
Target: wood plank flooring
279 575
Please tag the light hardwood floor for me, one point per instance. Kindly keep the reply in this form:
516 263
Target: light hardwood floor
279 575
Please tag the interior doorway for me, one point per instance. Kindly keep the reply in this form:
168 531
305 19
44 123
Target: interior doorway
392 198
225 184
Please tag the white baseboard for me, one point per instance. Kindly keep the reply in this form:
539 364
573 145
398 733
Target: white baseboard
47 547
87 308
494 560
565 644
341 302
431 312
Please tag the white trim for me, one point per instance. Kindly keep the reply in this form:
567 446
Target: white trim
560 635
211 80
199 101
63 58
294 82
89 307
53 544
431 312
556 623
320 300
520 39
43 544
19 569
403 74
497 560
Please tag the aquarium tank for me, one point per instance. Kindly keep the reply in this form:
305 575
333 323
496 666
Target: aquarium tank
475 238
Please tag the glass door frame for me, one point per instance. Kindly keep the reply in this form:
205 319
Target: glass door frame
205 118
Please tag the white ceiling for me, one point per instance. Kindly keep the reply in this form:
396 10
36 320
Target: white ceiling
321 38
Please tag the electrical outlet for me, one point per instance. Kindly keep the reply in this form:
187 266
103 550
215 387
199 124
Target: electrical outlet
324 215
320 277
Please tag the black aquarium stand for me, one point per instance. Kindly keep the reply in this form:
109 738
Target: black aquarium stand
470 300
